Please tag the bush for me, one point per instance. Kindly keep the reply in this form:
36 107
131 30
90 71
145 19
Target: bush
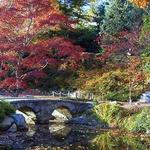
109 113
139 122
130 120
5 109
2 113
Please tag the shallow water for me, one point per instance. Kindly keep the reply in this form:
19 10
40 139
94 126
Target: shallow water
62 137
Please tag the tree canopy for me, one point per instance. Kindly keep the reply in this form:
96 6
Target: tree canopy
120 15
23 56
45 44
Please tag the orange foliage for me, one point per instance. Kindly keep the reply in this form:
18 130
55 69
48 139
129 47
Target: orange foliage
141 3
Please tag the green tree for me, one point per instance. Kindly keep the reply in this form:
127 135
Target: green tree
121 15
145 42
145 31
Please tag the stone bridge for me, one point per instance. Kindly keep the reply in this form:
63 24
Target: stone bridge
43 108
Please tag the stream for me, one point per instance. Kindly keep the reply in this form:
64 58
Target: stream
71 137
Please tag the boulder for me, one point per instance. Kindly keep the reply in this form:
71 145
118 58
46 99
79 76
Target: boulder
28 119
59 116
13 128
6 123
19 120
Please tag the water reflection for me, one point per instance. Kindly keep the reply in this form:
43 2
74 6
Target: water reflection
62 137
60 131
112 141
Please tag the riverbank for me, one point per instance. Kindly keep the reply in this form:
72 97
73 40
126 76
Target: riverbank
131 119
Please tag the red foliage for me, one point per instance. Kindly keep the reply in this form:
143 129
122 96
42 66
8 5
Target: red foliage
123 42
10 83
20 51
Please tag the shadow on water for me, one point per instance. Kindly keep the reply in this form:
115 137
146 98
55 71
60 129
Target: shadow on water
64 137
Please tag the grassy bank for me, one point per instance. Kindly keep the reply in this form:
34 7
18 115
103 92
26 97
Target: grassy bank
5 109
133 120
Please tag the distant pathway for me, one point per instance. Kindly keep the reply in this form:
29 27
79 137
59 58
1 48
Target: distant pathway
135 105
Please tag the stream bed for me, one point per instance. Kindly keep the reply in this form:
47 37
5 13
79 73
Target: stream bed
71 137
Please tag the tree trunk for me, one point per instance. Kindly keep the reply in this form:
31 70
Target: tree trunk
130 91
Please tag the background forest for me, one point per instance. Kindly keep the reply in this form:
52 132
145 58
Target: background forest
95 46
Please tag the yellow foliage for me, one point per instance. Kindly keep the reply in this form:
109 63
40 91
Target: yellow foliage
108 85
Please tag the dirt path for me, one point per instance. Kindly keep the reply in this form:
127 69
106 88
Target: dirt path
135 105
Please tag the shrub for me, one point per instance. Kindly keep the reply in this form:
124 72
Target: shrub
130 120
139 122
5 109
2 113
109 113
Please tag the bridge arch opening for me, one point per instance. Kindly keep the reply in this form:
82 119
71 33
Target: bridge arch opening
61 114
29 115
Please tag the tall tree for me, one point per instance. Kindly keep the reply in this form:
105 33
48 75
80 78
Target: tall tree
120 15
22 55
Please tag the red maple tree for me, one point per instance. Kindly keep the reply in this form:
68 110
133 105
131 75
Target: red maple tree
22 54
124 42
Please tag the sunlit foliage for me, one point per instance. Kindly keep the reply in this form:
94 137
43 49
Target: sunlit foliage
141 3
